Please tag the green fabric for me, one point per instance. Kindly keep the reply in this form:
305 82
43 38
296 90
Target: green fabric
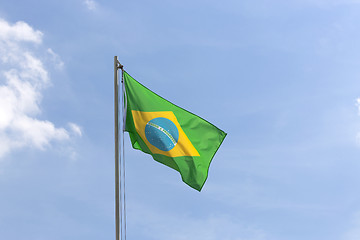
205 137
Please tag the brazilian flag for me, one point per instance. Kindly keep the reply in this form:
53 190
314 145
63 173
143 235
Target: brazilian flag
173 136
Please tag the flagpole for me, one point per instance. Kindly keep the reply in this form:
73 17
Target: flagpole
122 156
116 113
120 205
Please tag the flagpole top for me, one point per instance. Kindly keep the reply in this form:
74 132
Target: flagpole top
118 64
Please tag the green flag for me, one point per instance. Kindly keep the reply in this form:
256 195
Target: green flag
173 136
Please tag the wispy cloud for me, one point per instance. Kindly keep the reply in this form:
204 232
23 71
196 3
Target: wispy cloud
333 2
162 226
353 233
358 108
23 77
76 129
55 58
90 4
358 105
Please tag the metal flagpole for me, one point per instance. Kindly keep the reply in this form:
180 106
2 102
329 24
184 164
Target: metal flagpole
120 204
116 113
122 155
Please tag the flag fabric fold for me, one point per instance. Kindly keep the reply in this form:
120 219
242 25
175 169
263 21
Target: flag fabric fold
173 136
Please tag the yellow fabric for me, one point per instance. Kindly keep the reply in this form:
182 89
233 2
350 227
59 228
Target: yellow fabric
183 147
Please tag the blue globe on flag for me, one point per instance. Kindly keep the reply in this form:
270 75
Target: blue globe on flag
162 133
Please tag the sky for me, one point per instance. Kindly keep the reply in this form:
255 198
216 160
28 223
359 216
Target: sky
280 77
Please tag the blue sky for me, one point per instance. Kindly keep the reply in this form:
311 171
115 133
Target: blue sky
280 77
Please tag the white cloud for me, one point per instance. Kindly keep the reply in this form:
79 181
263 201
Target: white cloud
90 4
19 32
23 77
